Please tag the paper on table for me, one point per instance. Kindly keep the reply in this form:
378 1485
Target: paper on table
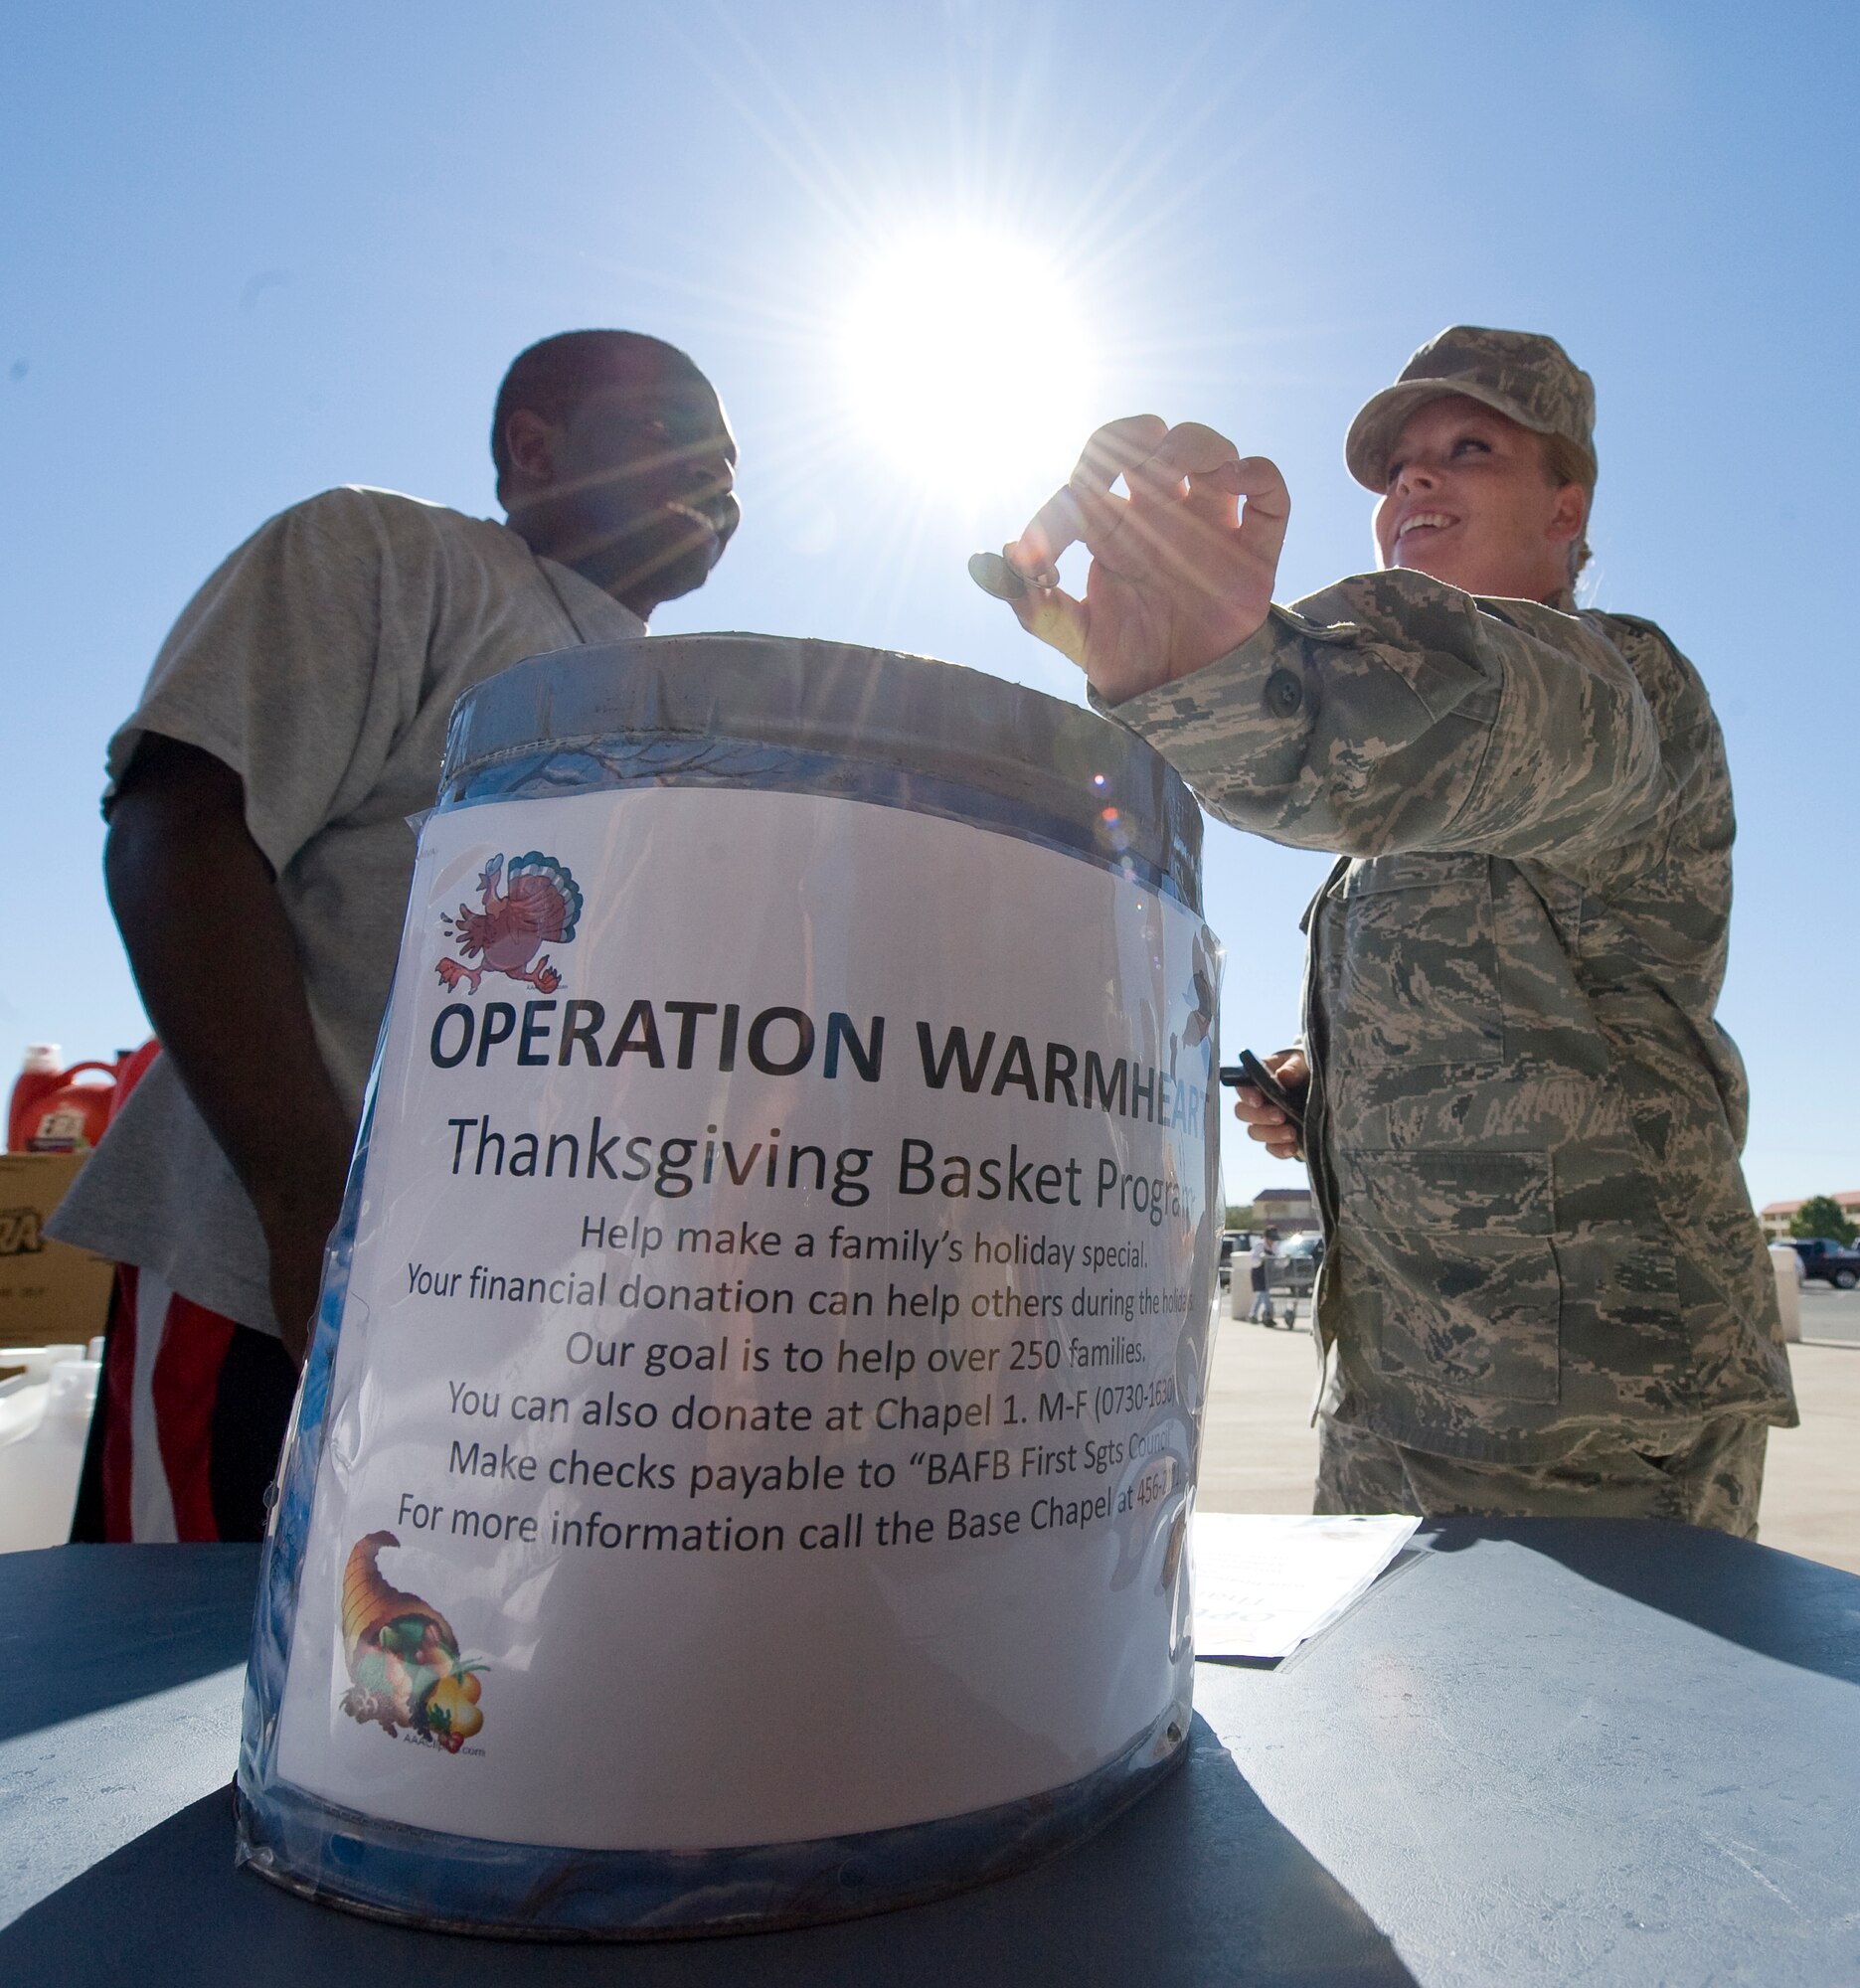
1263 1582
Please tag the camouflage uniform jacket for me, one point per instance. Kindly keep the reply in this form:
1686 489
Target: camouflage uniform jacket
1524 1122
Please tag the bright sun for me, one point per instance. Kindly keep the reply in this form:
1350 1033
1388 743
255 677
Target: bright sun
968 362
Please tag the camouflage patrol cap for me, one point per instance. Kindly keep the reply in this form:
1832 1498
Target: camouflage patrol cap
1520 374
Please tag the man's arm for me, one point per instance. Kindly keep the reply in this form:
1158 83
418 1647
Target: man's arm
218 969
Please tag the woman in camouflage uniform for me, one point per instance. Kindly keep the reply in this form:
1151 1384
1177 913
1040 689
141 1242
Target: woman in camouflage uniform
1544 1290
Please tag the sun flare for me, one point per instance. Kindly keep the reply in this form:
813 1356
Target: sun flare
967 360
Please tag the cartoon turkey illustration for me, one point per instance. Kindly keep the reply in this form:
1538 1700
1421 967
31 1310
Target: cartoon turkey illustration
539 905
404 1657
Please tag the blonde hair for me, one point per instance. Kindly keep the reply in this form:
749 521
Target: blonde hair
1567 462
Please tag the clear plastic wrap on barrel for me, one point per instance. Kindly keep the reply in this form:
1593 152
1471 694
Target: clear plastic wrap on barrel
743 1470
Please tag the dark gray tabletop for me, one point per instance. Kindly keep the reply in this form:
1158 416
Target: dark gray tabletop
1538 1752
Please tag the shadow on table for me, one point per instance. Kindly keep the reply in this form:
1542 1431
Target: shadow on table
1797 1611
1198 1884
161 1620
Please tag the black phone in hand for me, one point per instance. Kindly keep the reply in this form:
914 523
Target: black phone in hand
1250 1069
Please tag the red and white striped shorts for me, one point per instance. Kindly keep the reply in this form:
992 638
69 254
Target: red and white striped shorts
194 1408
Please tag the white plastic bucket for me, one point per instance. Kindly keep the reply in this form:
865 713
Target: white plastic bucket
44 1422
743 1470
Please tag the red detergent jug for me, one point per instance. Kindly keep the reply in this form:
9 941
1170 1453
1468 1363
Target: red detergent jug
131 1068
50 1112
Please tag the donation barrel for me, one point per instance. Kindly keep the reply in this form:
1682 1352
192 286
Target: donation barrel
743 1470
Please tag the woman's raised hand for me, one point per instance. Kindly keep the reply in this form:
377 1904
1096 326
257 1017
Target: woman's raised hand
1180 571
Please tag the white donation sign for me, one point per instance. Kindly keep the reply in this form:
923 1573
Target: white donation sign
767 1393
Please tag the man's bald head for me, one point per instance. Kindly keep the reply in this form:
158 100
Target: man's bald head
552 377
615 457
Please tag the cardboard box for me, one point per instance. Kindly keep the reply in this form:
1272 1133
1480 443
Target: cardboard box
49 1291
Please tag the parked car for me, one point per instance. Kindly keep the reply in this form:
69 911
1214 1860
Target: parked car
1833 1263
1234 1241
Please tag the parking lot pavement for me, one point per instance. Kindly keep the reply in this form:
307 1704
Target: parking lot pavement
1811 1480
1830 1314
1260 1451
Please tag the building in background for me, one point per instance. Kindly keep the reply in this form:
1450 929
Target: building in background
1776 1214
1287 1208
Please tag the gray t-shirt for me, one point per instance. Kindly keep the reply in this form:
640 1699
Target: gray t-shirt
321 663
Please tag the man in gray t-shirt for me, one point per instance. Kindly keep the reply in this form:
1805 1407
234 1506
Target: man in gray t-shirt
258 861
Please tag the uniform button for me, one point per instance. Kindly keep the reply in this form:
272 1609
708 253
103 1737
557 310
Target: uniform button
1285 694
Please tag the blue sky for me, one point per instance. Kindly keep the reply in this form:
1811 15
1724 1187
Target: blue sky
250 254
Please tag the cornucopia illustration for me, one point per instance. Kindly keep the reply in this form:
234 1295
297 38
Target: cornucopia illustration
403 1657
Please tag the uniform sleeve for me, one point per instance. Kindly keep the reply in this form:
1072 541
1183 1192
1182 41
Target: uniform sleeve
1393 712
277 667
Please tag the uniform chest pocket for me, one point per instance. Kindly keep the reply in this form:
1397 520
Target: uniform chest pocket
1416 970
